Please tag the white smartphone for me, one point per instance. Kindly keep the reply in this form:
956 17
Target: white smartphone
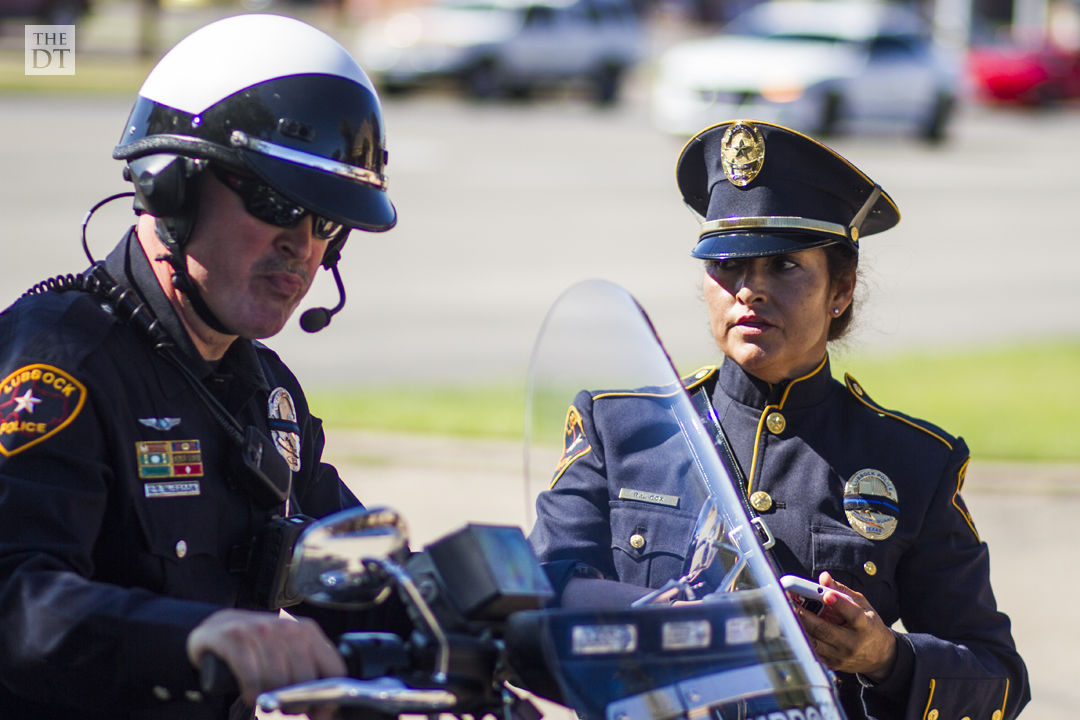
807 593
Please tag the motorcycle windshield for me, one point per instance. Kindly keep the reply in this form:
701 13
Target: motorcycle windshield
624 481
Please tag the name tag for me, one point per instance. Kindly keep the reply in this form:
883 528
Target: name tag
175 488
649 497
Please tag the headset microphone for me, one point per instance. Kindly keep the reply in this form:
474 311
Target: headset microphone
316 319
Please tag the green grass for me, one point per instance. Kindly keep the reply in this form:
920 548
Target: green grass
493 412
1015 404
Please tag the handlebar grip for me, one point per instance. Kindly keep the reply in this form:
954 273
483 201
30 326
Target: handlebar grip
215 677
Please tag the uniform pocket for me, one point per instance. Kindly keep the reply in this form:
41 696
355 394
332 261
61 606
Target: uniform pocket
181 535
649 544
864 565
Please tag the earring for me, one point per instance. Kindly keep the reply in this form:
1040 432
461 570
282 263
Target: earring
836 311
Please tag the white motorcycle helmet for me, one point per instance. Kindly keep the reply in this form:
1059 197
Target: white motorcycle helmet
270 97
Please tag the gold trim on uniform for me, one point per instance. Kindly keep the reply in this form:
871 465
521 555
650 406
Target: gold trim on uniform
776 422
761 501
773 222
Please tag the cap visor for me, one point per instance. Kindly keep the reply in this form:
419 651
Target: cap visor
340 199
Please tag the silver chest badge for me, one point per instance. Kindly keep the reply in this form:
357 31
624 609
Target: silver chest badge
871 504
283 426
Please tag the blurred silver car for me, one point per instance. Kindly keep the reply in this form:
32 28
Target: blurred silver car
819 66
505 47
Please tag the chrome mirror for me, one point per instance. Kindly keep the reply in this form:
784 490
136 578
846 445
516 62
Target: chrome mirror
338 561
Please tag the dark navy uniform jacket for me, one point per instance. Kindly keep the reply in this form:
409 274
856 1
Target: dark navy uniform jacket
799 444
119 511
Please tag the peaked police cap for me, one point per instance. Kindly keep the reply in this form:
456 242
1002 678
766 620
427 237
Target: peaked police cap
763 189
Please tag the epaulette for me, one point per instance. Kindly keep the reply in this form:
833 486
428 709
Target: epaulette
699 376
688 382
857 390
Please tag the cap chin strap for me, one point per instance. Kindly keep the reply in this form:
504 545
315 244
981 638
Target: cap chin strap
173 233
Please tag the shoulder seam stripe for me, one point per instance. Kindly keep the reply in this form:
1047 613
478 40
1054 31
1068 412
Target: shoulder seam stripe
963 512
673 393
877 408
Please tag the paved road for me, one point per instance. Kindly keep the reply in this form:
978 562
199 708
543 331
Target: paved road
502 207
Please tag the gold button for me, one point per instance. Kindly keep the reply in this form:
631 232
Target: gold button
965 718
776 423
996 715
161 693
869 567
858 391
932 715
181 548
761 501
637 541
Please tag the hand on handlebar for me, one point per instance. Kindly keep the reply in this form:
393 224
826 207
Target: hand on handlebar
265 651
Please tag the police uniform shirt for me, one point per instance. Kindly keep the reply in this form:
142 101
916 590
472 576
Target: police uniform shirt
845 486
122 517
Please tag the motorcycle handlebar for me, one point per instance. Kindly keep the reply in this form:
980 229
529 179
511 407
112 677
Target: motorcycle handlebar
215 677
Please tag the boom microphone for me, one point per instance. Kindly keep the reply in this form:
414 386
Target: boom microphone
315 319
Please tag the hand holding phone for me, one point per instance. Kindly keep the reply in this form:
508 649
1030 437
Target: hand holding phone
806 593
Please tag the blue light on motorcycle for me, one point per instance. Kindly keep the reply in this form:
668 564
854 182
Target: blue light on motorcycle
604 639
686 635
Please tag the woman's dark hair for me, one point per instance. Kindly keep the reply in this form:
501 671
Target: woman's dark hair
843 262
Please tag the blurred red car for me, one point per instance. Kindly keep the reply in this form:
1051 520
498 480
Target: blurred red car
1024 74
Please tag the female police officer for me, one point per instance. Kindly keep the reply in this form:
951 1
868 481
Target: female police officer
150 446
864 499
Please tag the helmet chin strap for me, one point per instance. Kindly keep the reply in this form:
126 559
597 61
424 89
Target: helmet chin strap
169 230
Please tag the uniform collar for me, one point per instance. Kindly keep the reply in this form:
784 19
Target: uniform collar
130 267
744 388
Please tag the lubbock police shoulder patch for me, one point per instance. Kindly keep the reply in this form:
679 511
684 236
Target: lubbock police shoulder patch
36 402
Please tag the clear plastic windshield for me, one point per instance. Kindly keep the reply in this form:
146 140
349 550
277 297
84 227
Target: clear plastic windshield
623 475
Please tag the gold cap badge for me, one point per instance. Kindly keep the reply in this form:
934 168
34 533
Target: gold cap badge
742 153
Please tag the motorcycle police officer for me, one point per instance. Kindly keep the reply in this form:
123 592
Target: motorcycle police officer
861 498
155 458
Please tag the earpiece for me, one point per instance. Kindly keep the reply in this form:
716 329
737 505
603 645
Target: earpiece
162 182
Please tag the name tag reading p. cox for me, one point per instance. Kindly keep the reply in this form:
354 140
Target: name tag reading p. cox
649 497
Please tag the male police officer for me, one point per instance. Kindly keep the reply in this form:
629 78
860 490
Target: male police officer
149 447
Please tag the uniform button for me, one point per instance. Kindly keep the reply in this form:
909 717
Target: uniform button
761 501
193 696
965 718
932 715
996 715
857 388
776 423
637 541
181 548
162 693
869 567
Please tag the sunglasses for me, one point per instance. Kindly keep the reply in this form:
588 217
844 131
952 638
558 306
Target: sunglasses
263 202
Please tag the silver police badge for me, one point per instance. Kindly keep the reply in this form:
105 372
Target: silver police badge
283 426
742 153
871 504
